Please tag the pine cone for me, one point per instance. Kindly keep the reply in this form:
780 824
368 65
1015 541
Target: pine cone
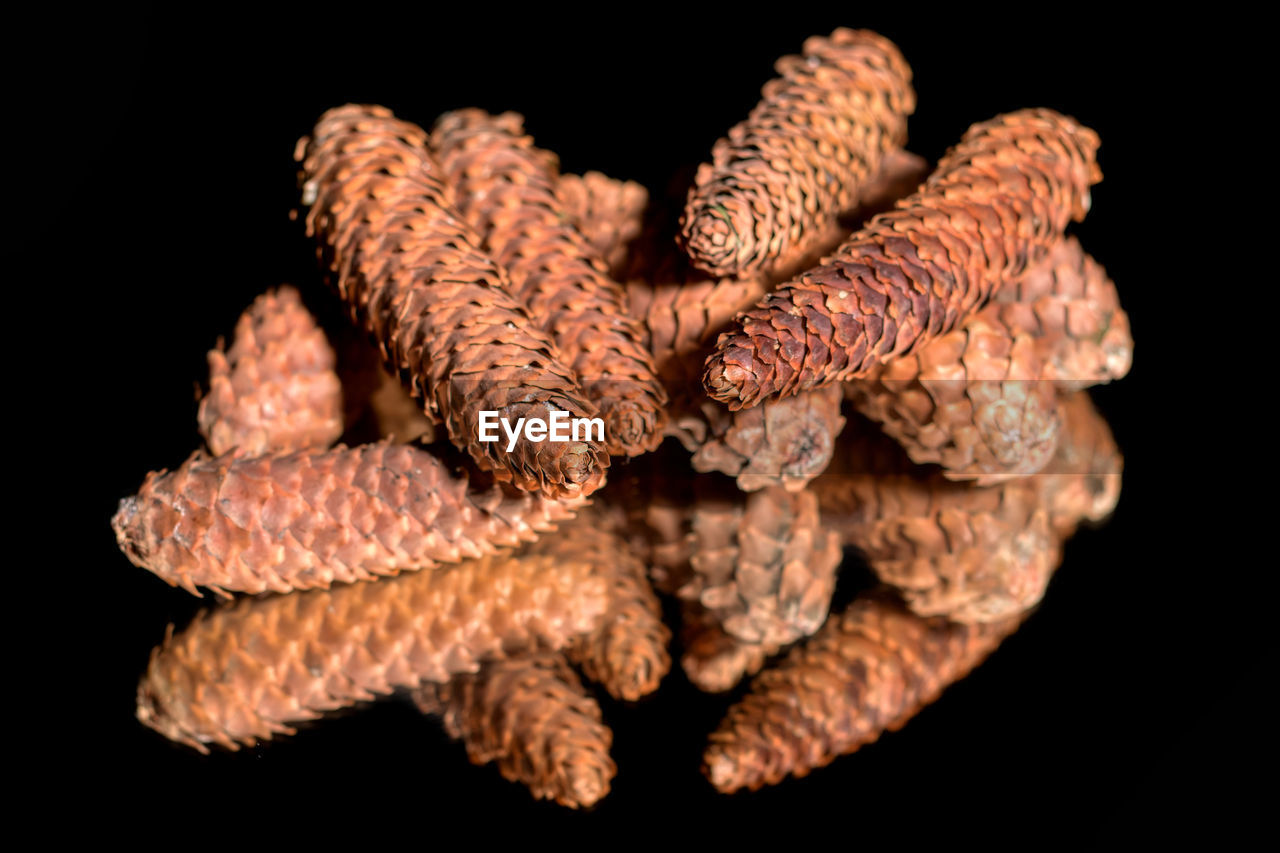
1073 309
242 673
1082 482
762 564
782 176
982 401
441 310
531 715
994 207
609 213
971 553
684 311
275 388
307 519
507 191
785 442
628 654
867 671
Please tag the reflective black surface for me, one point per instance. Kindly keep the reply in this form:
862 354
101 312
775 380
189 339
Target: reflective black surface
1131 697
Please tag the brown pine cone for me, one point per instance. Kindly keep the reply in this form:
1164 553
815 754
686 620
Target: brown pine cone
609 213
784 442
762 564
1082 482
975 401
507 190
684 311
782 176
244 672
867 671
982 401
971 553
628 654
275 388
994 206
1072 307
715 661
531 715
442 311
306 519
900 174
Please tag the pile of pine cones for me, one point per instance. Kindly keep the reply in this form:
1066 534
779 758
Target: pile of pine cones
847 349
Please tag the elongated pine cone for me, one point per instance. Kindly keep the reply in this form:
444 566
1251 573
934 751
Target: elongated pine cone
243 673
782 176
982 401
275 388
684 310
994 206
608 212
763 564
783 442
441 310
628 654
531 715
867 671
307 519
507 190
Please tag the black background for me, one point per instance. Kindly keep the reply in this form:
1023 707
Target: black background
163 177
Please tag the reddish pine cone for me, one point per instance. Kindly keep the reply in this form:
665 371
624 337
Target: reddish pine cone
507 190
783 176
609 213
976 401
785 442
982 401
243 673
532 716
867 671
684 311
441 310
763 564
995 206
969 553
1082 482
1072 307
275 388
628 654
307 519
